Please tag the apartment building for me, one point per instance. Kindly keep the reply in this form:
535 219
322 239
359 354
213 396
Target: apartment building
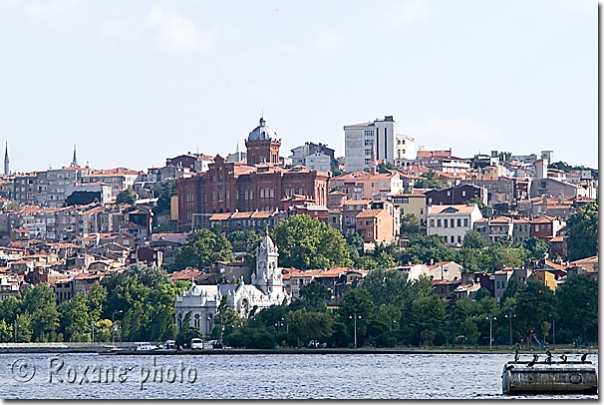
379 138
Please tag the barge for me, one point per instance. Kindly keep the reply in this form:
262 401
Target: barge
549 377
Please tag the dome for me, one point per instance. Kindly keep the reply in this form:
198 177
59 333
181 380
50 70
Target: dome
262 133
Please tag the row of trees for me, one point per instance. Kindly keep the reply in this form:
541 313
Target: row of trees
140 301
389 310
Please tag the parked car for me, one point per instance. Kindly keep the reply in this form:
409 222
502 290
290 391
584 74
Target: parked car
144 346
196 344
170 344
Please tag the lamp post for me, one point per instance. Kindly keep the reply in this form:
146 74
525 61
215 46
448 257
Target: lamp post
490 318
113 325
553 329
355 327
510 316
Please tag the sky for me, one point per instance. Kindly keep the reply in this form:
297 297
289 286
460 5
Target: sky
132 83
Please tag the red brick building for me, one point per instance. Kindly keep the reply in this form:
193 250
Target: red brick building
261 185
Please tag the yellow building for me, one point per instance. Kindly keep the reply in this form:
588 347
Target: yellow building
546 278
414 203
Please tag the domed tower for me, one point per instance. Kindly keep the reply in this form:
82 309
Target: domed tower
268 277
262 145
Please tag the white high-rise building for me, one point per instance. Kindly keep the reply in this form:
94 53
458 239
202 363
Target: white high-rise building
382 137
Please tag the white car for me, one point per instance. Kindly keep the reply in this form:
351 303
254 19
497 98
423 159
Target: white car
144 346
196 343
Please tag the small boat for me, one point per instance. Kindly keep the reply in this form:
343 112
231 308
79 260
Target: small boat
549 377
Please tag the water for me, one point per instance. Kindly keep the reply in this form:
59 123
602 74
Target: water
363 376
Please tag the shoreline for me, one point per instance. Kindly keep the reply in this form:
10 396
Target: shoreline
290 351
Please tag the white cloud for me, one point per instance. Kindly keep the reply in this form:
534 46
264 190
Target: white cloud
174 33
410 11
328 40
459 133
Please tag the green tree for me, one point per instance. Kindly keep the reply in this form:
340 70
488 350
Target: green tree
473 240
187 332
387 287
476 200
307 243
23 327
469 330
75 319
13 205
6 331
582 238
536 247
309 325
410 224
422 249
315 296
578 307
430 317
128 196
202 249
40 303
357 304
164 192
244 241
429 180
534 305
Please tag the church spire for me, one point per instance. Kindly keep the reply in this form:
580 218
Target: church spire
75 159
6 160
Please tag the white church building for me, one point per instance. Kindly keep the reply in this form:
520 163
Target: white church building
266 290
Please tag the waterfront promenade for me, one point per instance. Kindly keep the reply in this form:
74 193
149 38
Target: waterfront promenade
104 348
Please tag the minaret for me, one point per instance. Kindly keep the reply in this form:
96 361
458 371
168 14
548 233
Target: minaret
237 153
372 162
75 159
6 161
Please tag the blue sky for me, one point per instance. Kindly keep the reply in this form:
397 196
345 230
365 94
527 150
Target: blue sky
134 82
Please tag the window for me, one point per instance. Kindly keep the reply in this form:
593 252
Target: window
367 161
449 193
465 222
432 223
549 227
446 221
458 238
536 228
367 152
542 228
452 239
438 223
458 221
367 223
369 133
463 193
421 211
368 142
452 223
430 200
261 193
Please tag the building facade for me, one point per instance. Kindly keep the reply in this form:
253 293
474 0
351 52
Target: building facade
378 137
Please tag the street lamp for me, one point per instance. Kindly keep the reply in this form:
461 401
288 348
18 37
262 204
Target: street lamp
510 316
113 325
92 326
553 329
355 327
490 318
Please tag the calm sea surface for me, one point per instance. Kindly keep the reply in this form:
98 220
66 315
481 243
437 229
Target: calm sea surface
366 376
